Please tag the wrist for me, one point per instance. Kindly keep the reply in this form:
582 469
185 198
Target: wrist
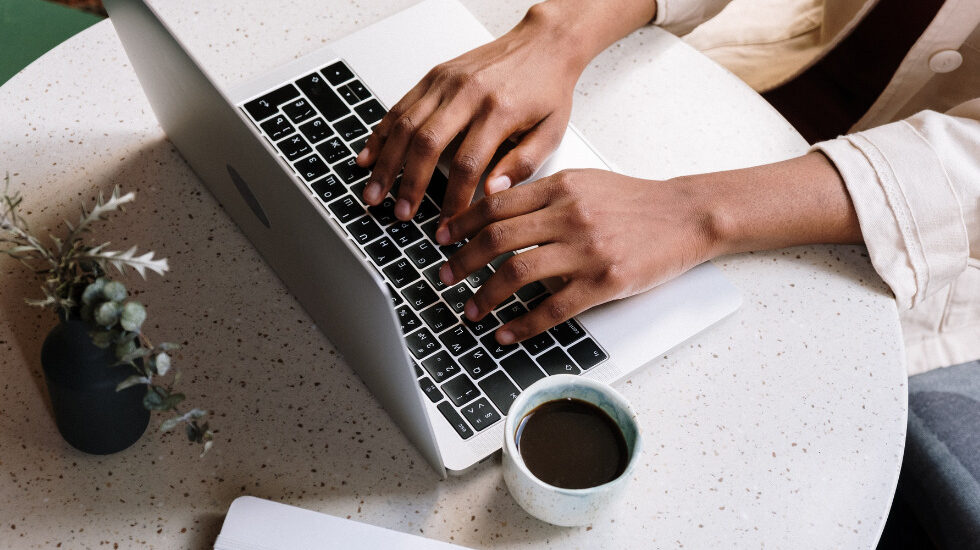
715 215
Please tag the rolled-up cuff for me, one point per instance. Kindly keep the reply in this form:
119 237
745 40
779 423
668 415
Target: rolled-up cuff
681 16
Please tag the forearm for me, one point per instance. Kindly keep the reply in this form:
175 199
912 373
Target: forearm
794 202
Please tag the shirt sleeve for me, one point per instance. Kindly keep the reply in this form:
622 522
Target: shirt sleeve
915 185
681 16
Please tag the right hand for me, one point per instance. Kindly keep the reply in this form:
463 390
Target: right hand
518 87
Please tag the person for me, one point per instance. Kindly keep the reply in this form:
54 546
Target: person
905 181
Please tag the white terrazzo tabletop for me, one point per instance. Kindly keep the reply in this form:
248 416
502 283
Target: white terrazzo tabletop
781 427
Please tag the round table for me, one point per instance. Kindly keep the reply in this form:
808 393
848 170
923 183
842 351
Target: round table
783 426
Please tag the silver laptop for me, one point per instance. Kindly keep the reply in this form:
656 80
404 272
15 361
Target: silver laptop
278 154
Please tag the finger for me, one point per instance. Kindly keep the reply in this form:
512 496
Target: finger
508 204
392 156
496 239
522 269
527 157
558 308
372 148
471 160
426 146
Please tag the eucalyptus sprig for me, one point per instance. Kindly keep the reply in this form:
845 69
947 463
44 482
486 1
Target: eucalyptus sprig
74 282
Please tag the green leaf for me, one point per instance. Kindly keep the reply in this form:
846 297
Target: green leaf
93 292
163 364
132 317
103 338
114 291
172 400
107 314
153 401
124 347
137 353
132 381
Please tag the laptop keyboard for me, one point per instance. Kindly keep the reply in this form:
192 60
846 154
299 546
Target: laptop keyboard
318 124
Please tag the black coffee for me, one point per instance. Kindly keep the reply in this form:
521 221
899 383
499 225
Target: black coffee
572 444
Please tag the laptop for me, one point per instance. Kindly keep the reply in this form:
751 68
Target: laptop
278 153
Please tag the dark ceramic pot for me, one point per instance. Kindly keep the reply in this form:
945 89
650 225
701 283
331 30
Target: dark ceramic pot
91 415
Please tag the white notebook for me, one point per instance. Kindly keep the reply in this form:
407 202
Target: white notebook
256 524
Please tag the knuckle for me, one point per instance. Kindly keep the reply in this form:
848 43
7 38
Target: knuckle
494 236
580 213
499 103
524 167
556 311
404 125
426 141
490 207
517 270
465 165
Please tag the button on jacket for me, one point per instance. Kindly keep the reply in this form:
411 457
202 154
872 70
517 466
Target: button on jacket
911 164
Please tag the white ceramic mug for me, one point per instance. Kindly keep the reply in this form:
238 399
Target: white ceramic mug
556 505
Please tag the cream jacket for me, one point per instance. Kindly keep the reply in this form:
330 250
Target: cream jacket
911 164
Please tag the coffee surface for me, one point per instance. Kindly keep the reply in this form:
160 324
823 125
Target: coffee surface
572 444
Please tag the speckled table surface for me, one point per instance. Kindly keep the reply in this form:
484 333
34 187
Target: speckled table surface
781 427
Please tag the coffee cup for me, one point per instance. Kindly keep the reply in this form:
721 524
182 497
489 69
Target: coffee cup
573 400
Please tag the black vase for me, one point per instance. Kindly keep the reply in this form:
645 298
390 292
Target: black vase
91 415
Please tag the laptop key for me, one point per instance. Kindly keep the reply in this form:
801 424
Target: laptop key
346 209
350 172
481 327
441 367
277 127
328 188
419 294
457 340
457 296
427 209
423 254
401 273
298 110
333 150
496 349
478 277
500 390
364 230
450 249
350 128
477 363
268 105
316 130
382 251
396 299
311 168
432 274
358 145
384 213
430 390
567 332
460 390
371 111
587 354
437 187
557 361
499 260
404 233
430 228
347 93
294 147
480 414
455 420
407 319
422 343
510 312
338 73
439 317
536 344
530 291
322 96
522 369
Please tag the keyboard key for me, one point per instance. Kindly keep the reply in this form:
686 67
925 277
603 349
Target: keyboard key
536 344
533 304
405 233
427 209
294 147
482 326
268 105
311 168
401 273
430 228
338 73
557 361
277 127
522 369
333 150
384 213
450 249
348 95
322 96
358 145
460 390
357 189
567 332
455 420
477 278
370 112
441 367
298 110
457 296
350 128
510 312
418 371
500 390
496 349
437 187
499 260
316 130
430 390
422 343
587 354
346 209
432 275
408 320
422 254
480 414
382 251
530 291
364 230
396 298
328 188
439 317
419 294
478 363
350 172
457 340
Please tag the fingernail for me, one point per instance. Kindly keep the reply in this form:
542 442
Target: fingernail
373 192
446 274
442 235
470 310
505 337
498 184
403 210
363 155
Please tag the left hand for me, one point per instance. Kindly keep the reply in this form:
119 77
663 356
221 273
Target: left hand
607 236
